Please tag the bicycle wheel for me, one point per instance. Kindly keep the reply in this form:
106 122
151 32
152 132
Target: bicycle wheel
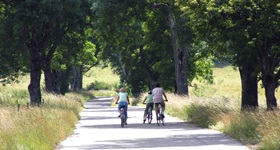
122 118
157 117
162 120
150 115
144 119
122 122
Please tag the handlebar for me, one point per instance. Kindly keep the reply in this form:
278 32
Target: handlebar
127 103
163 100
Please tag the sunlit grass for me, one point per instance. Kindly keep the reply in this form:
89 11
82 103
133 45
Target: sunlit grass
216 106
104 75
41 127
37 128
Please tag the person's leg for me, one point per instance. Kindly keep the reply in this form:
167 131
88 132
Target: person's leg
125 110
150 105
119 109
146 112
146 109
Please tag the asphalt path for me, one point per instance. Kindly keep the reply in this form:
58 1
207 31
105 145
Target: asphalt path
99 128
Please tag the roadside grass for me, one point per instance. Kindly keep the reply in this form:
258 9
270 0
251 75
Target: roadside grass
216 106
37 128
41 127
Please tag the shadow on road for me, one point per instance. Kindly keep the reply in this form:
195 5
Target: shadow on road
164 142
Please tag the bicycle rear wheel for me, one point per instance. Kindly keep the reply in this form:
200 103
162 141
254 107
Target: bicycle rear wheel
157 117
122 116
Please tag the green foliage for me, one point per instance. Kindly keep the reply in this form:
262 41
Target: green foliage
135 38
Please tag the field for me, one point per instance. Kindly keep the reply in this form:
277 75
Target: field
215 106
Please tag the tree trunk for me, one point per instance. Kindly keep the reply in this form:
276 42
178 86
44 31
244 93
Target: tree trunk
249 84
77 81
268 63
35 77
270 86
52 78
64 81
180 54
152 77
180 57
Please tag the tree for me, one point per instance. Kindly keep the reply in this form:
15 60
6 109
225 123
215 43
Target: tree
243 31
135 37
180 49
39 27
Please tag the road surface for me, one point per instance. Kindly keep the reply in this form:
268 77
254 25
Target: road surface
99 128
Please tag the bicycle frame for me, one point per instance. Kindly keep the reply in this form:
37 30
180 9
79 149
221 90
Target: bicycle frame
149 115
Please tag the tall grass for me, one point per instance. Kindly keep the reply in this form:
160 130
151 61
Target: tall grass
37 128
218 106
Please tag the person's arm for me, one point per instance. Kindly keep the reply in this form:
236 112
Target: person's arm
128 99
144 100
117 99
164 96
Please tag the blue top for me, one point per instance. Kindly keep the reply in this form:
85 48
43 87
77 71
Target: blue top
123 97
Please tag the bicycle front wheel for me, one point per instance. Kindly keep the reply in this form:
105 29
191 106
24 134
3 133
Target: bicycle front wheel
158 118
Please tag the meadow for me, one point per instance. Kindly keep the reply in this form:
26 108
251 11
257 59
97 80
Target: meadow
215 106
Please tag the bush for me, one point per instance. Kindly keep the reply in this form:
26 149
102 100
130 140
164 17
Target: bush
202 116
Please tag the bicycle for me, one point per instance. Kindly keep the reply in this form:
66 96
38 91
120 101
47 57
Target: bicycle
149 115
122 116
159 115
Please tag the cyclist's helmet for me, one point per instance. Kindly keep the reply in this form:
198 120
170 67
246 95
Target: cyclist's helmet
150 92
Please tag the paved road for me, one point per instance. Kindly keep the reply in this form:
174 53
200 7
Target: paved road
99 128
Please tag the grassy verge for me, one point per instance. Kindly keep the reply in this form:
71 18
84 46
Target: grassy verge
218 107
215 106
38 128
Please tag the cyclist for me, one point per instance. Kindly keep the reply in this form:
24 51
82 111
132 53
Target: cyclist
123 100
149 103
158 92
